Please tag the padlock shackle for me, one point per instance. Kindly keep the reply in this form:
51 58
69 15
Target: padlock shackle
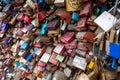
117 36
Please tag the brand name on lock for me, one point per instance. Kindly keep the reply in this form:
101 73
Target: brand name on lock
73 5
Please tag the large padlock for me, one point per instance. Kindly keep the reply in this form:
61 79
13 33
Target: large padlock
115 47
74 5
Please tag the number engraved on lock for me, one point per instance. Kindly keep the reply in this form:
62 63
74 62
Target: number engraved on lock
76 4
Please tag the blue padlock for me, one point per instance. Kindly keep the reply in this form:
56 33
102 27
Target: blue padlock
30 56
115 47
24 46
4 26
115 63
6 1
75 16
43 5
17 63
104 8
5 42
40 1
43 31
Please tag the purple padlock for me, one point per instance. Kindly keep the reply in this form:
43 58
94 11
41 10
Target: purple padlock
4 26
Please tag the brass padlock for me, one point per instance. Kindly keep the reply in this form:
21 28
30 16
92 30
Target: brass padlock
53 33
74 5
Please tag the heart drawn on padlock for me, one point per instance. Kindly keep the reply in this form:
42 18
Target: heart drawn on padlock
76 4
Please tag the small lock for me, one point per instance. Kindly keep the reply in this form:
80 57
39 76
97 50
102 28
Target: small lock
67 39
24 46
52 25
30 56
27 19
41 15
53 59
6 1
60 58
43 31
81 25
59 49
53 33
75 16
4 26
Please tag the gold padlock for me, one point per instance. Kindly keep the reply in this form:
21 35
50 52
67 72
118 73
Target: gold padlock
53 33
74 5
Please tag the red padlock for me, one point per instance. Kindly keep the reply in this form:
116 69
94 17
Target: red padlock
41 15
27 19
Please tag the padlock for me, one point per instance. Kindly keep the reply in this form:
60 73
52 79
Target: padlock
53 59
45 39
52 25
74 5
89 36
81 46
59 3
107 18
86 11
25 46
20 16
49 50
27 19
79 62
75 16
59 49
60 58
114 47
41 15
43 5
43 31
71 45
30 27
80 52
45 57
29 57
91 19
65 16
67 39
81 25
71 27
53 33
